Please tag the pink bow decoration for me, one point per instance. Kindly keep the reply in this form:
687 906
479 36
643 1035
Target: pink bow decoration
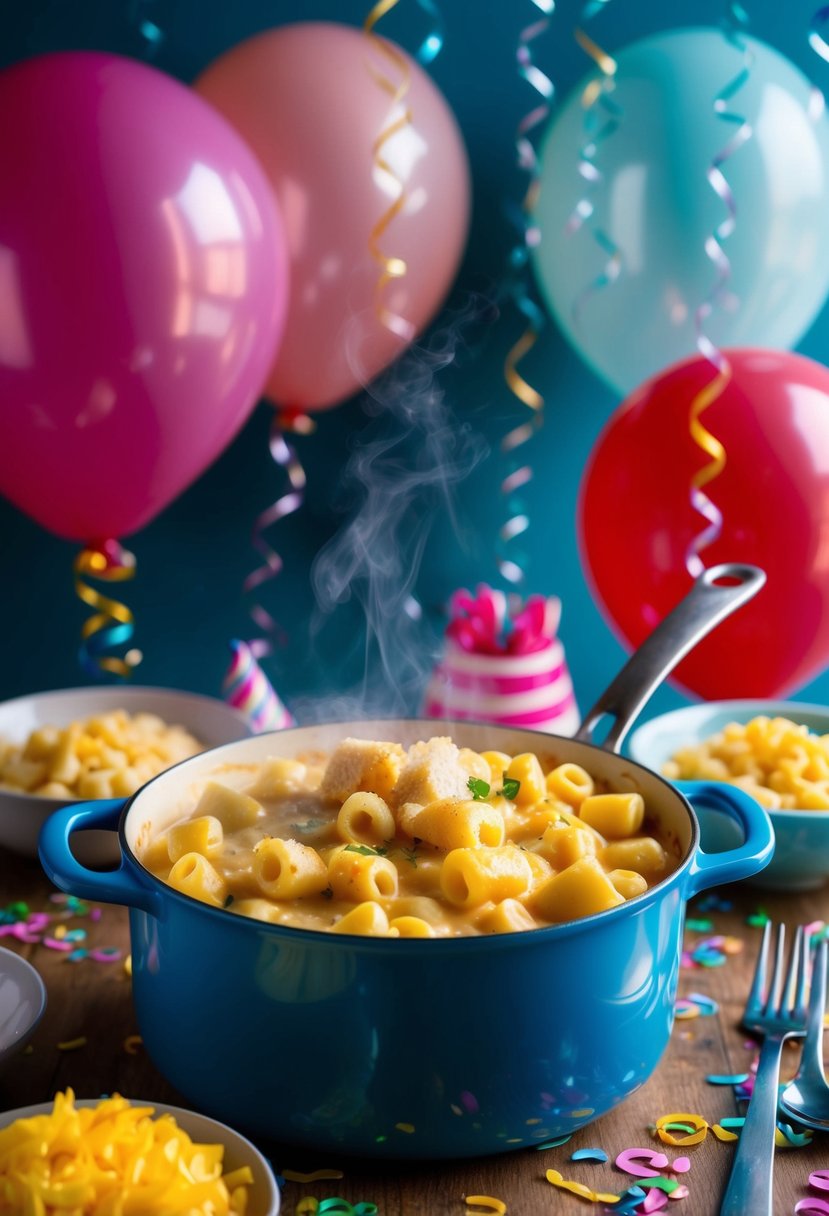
482 624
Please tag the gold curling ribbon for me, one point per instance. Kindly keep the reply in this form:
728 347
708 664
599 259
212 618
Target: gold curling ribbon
702 437
391 267
112 622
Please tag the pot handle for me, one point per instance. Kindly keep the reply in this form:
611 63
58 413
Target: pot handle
119 886
709 601
750 857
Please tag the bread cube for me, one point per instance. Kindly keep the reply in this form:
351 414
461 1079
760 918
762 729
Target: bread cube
433 772
361 764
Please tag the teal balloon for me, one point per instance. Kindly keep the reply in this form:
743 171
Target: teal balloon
625 283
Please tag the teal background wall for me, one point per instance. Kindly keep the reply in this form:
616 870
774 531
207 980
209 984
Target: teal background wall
192 560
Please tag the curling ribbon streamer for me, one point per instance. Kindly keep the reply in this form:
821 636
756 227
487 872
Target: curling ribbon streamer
284 455
714 249
112 622
596 97
400 116
145 17
518 522
816 39
818 43
248 689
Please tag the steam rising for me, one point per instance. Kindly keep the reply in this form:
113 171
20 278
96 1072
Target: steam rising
399 479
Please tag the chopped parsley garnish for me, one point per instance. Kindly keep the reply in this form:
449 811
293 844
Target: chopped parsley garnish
328 893
511 787
365 850
479 788
411 853
312 825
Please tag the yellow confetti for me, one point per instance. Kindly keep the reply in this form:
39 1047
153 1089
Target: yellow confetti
307 1206
487 1202
405 1127
128 965
685 1138
578 1188
314 1176
131 1044
72 1044
723 1134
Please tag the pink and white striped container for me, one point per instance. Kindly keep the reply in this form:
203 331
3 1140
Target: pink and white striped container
520 679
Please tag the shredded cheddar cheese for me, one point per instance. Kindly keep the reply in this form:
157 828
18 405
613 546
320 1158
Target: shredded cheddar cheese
113 1159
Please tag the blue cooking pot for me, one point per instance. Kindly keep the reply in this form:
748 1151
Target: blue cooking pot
421 1048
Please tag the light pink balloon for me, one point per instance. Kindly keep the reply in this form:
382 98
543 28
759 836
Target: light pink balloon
307 99
143 283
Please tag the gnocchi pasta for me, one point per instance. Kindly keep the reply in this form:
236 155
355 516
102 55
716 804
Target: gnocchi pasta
108 756
375 840
782 764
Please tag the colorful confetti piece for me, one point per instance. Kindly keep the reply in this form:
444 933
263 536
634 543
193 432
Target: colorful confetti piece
589 1154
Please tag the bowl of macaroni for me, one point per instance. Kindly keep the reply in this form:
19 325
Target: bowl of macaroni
406 938
96 743
777 751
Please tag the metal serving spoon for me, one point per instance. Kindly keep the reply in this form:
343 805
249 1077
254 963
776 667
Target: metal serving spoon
806 1097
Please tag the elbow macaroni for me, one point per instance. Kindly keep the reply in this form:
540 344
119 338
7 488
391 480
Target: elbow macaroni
108 756
537 845
783 765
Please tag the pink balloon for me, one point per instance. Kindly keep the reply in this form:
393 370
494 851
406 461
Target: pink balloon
307 99
143 274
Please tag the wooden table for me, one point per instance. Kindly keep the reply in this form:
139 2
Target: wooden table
83 1041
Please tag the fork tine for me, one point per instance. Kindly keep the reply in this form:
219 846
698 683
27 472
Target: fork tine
800 996
754 1001
776 993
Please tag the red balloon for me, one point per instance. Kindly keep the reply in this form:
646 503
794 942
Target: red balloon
637 522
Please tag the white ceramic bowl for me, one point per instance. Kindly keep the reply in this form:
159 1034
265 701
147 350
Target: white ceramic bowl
22 815
801 853
22 1002
263 1195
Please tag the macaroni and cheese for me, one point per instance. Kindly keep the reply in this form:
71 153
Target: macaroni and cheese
108 756
782 765
433 841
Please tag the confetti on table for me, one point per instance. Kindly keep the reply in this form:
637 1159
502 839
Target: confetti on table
693 1128
131 1044
73 1044
739 1078
486 1202
713 903
555 1143
758 919
589 1154
699 926
578 1188
640 1162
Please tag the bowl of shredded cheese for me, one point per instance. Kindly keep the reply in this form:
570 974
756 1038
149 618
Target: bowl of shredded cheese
105 1155
776 751
84 744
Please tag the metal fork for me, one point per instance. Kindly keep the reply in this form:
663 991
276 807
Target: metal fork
775 1011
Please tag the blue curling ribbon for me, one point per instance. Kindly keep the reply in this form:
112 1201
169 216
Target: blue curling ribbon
816 39
432 44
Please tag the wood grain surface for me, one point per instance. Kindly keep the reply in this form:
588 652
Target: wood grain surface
92 1002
